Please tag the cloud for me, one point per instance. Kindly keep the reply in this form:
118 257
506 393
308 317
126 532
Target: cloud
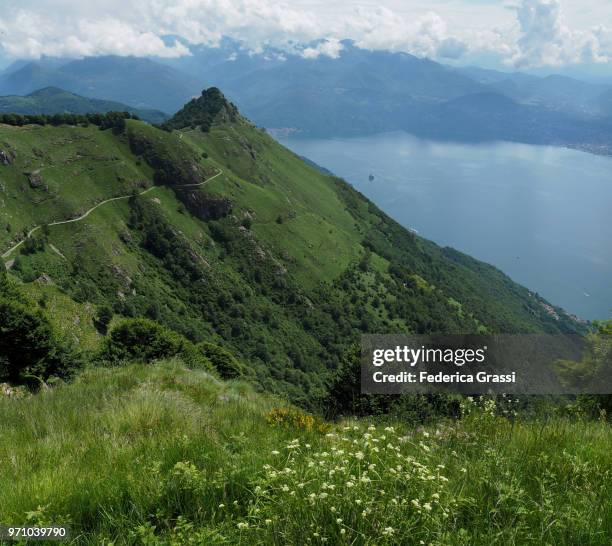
73 28
545 40
30 35
527 33
382 28
330 48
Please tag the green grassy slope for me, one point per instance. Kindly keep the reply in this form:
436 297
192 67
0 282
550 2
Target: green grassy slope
158 454
281 263
52 100
77 167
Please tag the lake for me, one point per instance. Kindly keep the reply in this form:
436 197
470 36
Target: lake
541 214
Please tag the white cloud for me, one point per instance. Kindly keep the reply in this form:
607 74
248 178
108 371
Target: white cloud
545 39
526 33
329 48
380 27
27 34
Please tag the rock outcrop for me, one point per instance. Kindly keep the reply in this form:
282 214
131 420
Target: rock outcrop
203 206
35 179
7 157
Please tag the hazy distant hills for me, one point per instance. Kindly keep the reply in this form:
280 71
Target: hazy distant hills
52 100
551 92
360 92
141 83
372 91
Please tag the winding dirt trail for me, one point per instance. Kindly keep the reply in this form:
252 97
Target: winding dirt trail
86 214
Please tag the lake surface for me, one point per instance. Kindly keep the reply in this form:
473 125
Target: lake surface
543 215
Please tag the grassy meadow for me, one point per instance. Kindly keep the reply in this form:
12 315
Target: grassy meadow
159 454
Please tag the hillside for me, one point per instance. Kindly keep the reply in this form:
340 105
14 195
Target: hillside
52 100
159 454
222 234
138 82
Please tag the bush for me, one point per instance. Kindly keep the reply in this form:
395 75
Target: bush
294 418
143 340
104 316
223 361
345 396
30 348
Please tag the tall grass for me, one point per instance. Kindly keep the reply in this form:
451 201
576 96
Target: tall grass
162 455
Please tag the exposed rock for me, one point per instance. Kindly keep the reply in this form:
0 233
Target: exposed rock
205 207
260 253
122 276
34 178
7 157
44 279
197 258
116 250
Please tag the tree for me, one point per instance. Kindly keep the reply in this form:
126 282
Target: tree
224 361
592 371
345 396
103 318
30 348
143 340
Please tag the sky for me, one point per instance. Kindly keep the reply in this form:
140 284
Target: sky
516 34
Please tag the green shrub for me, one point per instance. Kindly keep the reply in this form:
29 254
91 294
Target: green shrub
104 316
30 348
223 361
143 340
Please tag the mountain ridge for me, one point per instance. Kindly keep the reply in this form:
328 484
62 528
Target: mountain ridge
53 100
138 82
282 264
359 92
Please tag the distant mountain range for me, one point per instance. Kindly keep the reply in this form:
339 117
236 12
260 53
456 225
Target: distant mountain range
141 83
52 100
359 92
